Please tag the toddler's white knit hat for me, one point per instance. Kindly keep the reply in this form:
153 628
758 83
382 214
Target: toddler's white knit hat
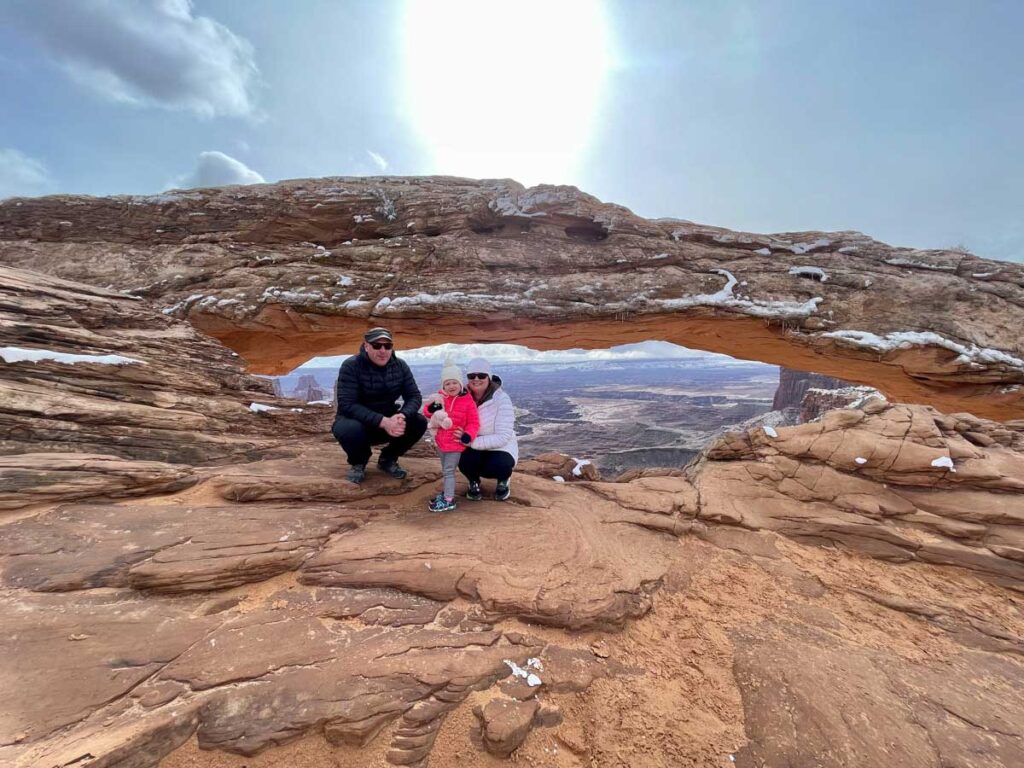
451 371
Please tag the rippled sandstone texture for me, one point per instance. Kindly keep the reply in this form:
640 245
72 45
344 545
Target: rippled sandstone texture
844 592
282 272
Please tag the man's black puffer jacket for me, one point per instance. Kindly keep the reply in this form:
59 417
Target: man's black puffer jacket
368 392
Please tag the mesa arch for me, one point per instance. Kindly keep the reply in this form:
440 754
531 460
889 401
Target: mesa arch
283 272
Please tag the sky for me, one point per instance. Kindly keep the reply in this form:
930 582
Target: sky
897 118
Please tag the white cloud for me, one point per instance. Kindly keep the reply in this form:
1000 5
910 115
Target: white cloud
215 169
21 175
146 52
379 160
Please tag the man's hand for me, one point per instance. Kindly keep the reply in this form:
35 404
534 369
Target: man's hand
393 425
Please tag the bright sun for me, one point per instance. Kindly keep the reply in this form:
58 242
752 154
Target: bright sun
499 89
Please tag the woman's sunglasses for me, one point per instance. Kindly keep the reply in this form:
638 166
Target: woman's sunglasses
476 375
382 345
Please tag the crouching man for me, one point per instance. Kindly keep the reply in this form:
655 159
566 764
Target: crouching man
369 384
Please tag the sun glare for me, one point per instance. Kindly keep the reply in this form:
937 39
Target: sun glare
505 89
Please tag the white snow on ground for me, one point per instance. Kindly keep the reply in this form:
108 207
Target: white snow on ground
361 218
802 248
907 339
319 402
558 479
901 262
22 355
580 464
770 431
344 280
660 256
261 408
944 462
183 303
758 308
812 272
763 251
531 679
982 274
861 460
509 204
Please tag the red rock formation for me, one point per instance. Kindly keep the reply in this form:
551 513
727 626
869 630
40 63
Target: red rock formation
308 389
844 592
283 272
817 402
794 384
897 482
143 385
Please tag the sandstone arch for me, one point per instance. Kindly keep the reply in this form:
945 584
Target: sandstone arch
283 272
125 640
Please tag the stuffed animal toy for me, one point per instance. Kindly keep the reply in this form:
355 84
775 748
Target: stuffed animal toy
438 419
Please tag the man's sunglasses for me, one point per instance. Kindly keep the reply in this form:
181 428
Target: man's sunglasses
476 375
382 345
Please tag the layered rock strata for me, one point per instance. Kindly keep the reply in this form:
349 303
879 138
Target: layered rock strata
897 482
91 371
283 272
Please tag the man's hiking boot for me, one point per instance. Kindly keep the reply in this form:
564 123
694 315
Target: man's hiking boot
440 504
356 473
501 490
390 467
474 494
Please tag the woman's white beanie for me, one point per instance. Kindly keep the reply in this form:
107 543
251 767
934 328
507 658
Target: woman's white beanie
478 365
451 371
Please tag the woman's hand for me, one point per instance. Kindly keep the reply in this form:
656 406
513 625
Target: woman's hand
458 432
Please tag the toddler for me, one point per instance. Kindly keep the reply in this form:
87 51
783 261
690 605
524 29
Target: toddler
453 411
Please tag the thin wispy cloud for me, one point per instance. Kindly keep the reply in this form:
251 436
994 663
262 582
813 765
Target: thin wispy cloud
21 175
215 169
379 160
146 52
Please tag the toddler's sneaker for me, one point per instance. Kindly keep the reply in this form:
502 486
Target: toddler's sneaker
440 504
474 494
501 490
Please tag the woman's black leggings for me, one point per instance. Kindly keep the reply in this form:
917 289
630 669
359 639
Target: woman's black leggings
475 464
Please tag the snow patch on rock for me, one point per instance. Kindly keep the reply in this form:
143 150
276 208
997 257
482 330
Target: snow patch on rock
23 355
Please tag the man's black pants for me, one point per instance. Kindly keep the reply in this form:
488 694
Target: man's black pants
475 464
356 438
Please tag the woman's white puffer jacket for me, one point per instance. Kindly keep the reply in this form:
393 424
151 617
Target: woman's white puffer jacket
497 426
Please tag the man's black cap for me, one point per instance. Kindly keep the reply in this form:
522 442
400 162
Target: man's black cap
376 334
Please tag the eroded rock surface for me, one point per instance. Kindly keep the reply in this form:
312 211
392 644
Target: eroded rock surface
118 379
28 478
842 706
283 272
898 482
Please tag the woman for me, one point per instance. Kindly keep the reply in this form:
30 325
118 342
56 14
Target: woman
495 450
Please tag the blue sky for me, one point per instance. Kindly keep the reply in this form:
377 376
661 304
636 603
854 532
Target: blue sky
899 119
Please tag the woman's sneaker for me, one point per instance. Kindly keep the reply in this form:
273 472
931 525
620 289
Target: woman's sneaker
474 494
501 490
440 504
